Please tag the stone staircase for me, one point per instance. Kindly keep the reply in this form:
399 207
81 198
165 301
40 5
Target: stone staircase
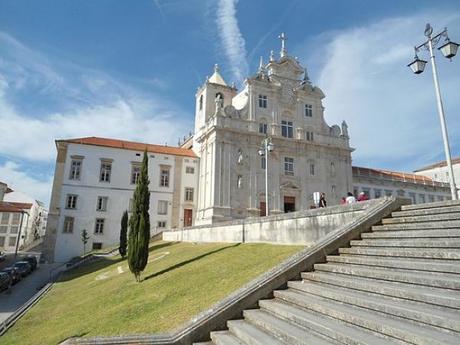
399 284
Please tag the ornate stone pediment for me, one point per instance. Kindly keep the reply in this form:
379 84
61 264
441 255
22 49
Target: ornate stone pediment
289 185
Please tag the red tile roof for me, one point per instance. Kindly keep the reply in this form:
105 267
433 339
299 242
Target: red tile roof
131 145
394 175
439 164
6 206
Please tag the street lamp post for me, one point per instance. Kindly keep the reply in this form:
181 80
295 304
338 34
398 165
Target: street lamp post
266 147
449 50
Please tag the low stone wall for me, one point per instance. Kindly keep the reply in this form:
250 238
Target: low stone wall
302 227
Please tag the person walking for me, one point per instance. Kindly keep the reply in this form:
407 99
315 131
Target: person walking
322 200
350 199
362 197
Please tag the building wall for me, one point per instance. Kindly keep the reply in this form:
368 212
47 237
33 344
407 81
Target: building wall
119 192
441 174
227 139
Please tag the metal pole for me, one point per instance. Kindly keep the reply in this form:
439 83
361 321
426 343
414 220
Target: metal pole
19 236
266 176
442 119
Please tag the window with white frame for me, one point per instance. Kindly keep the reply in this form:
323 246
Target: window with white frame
12 241
16 218
189 170
287 129
99 226
2 241
14 229
135 173
71 201
288 166
5 218
309 136
263 128
68 225
102 203
164 177
440 198
162 207
431 198
308 110
106 169
421 198
161 224
412 197
3 229
377 193
75 169
388 192
188 194
262 101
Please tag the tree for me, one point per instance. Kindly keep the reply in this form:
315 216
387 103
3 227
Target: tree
84 239
123 234
139 224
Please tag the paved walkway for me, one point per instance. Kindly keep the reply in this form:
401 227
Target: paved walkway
24 290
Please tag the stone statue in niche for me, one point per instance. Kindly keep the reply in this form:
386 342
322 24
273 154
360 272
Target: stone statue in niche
240 156
219 102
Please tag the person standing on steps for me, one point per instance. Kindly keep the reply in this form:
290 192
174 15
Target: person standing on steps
350 199
322 200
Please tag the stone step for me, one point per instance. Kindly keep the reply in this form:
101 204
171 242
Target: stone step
204 343
250 334
409 243
385 324
417 311
450 253
426 211
430 295
330 327
438 233
432 265
437 204
443 280
420 219
287 332
225 338
449 224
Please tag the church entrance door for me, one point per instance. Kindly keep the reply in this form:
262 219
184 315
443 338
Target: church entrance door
289 204
263 209
188 216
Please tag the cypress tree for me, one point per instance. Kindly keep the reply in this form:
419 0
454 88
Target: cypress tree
139 224
123 234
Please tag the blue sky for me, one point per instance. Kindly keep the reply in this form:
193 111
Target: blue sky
130 69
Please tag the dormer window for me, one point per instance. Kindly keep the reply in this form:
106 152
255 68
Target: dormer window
262 101
308 110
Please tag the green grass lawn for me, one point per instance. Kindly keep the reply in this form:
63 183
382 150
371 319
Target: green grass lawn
181 280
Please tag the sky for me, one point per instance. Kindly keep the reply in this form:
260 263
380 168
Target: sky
130 69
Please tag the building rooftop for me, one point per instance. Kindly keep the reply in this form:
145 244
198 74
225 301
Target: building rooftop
439 164
6 206
395 176
131 145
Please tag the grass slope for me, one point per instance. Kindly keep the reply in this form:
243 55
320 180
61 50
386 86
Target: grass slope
181 280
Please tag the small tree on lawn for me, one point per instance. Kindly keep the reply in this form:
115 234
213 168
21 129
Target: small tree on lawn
84 239
139 224
123 234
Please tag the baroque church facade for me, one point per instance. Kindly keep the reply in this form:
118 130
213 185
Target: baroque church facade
279 103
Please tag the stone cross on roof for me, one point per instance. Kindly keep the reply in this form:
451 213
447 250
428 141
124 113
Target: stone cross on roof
283 39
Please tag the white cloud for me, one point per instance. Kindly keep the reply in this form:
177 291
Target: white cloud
89 103
391 112
233 42
14 176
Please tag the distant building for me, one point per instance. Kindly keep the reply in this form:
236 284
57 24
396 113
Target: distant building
94 183
439 172
22 219
376 183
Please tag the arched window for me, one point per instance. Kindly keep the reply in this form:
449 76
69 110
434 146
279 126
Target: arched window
200 102
221 96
